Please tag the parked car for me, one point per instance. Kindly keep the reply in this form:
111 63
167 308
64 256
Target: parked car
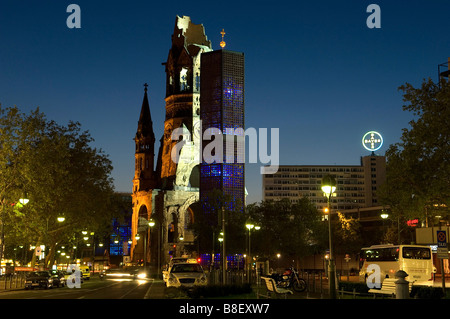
186 275
59 279
173 261
39 279
86 271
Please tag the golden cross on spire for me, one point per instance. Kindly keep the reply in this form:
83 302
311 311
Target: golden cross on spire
222 44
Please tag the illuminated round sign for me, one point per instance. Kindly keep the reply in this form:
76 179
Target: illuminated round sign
372 141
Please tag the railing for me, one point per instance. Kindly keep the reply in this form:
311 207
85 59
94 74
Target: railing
232 277
316 281
12 281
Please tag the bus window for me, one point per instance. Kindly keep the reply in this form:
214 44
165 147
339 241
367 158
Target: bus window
382 254
416 253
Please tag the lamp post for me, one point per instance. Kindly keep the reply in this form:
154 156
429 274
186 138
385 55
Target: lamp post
152 223
224 256
93 252
22 201
328 188
2 236
250 225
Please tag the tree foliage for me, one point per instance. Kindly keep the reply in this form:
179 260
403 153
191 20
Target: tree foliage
291 229
347 232
60 173
418 167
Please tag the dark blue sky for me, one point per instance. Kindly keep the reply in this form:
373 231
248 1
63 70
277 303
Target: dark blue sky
313 68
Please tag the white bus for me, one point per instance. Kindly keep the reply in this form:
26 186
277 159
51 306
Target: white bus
415 260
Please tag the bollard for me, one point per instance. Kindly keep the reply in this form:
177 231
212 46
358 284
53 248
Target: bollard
401 285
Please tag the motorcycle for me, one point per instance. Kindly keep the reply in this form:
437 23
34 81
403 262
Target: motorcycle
290 279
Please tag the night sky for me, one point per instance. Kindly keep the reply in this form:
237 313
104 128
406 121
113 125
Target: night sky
313 69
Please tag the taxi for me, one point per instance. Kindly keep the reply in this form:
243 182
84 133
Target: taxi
176 260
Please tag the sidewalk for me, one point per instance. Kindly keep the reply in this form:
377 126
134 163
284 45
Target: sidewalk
156 290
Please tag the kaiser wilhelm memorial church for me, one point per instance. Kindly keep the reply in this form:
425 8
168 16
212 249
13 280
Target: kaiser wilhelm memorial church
204 89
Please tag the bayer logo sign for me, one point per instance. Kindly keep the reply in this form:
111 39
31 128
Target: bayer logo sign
372 141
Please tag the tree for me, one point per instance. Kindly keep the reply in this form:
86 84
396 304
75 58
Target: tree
292 229
10 122
347 234
418 167
62 175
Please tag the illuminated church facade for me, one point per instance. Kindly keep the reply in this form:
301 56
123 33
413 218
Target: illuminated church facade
167 193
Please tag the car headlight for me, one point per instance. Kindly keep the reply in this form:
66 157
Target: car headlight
142 276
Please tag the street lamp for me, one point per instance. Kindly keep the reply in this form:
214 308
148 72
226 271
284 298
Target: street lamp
328 188
250 225
224 235
22 201
384 215
152 223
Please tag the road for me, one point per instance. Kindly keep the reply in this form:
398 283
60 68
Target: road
95 289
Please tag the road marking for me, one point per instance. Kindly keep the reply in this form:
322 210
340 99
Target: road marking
94 290
147 294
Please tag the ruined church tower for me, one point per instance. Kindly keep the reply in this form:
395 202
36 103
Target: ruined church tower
165 194
183 101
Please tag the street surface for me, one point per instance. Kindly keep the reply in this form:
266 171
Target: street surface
113 297
119 288
95 288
